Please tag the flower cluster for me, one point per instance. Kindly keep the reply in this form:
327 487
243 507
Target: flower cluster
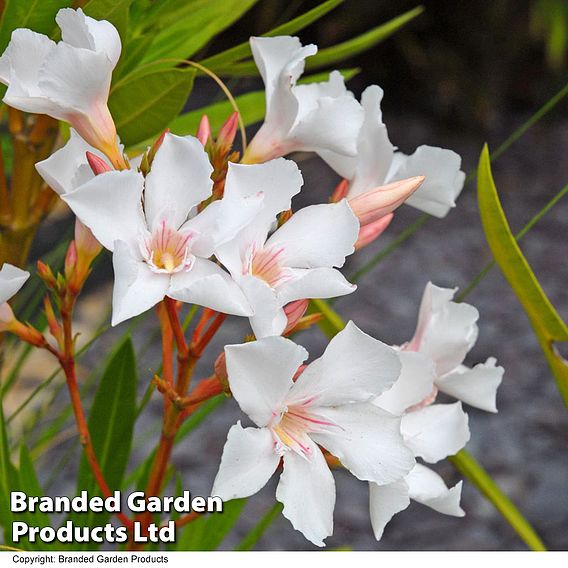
241 248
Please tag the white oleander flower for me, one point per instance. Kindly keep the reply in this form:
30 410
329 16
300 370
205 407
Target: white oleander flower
160 240
376 163
297 260
328 406
446 331
12 279
432 362
68 80
308 117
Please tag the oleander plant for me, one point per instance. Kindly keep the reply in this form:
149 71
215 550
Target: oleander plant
200 219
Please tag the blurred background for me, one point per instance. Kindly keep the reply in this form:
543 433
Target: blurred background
458 75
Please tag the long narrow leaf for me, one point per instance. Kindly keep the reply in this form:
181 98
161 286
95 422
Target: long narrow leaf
334 54
466 464
208 532
293 26
252 537
359 44
546 322
111 424
184 37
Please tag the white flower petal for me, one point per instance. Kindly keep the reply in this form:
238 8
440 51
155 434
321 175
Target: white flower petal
307 491
446 330
260 375
67 168
415 383
385 501
77 80
248 462
280 61
436 432
277 181
206 284
333 126
110 205
476 387
428 488
374 149
268 315
80 30
367 441
19 69
444 179
220 223
318 235
309 94
136 287
313 283
354 368
369 168
180 178
12 279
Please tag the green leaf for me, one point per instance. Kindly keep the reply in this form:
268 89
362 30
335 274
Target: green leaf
114 11
208 532
7 479
111 424
187 35
546 322
252 537
466 464
30 485
144 105
131 56
37 15
331 55
352 47
293 26
166 12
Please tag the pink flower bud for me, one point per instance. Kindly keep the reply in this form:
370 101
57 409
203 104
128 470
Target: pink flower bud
98 165
46 274
368 233
54 327
380 201
85 242
156 146
340 192
70 259
228 132
86 249
294 312
204 130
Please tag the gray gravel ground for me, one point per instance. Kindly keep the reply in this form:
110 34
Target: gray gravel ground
524 446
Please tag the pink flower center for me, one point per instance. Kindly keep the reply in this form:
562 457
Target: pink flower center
291 428
266 265
167 250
